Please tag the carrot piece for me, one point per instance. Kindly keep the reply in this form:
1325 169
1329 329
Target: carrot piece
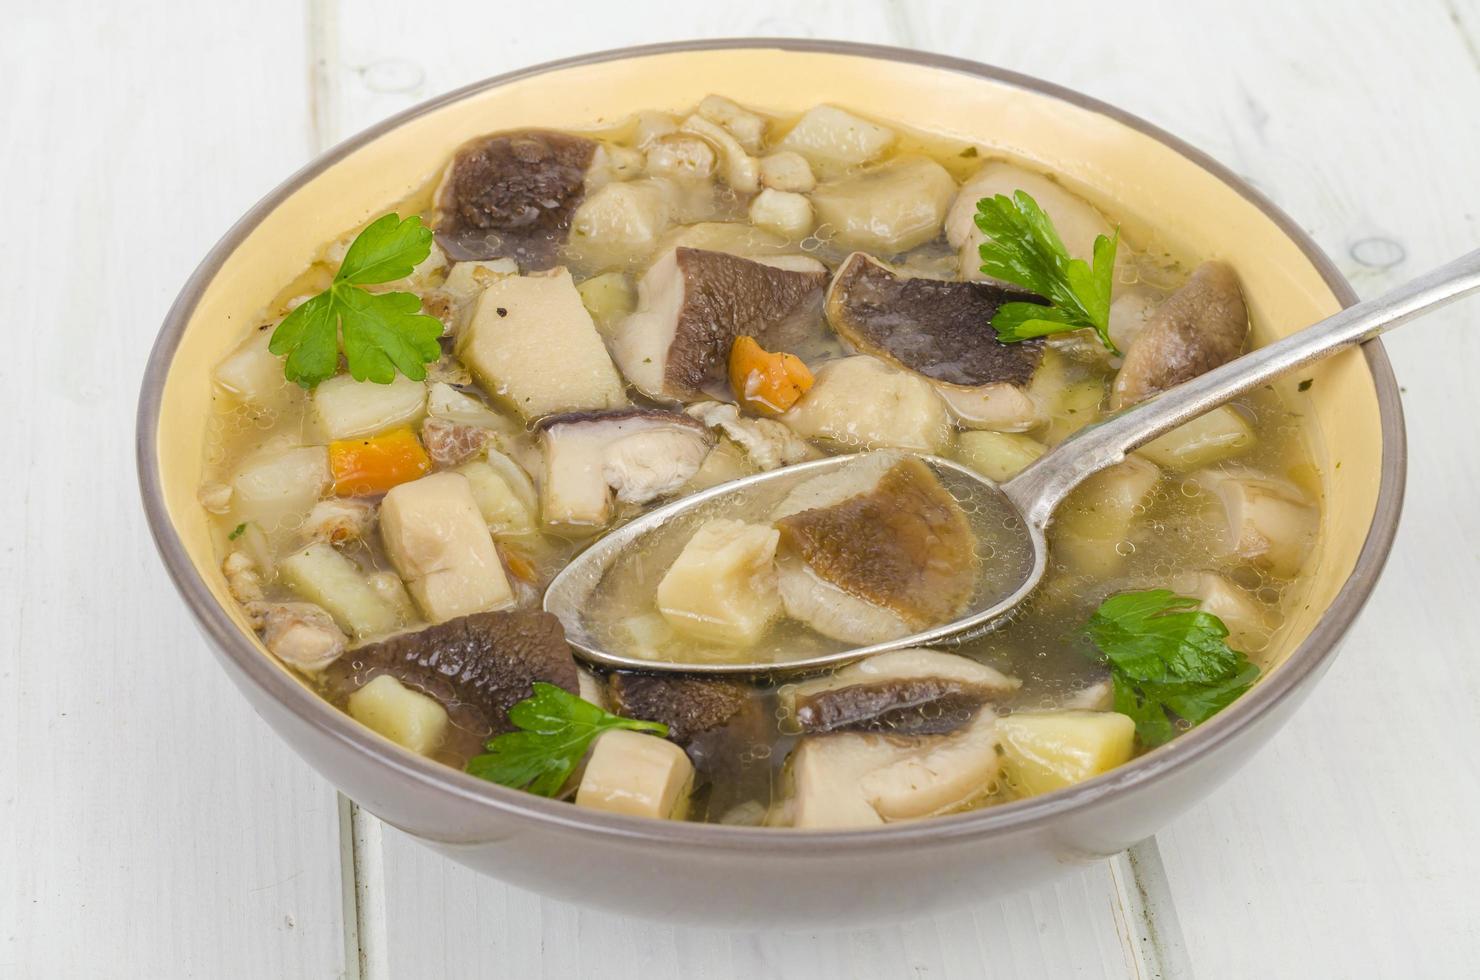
763 382
368 466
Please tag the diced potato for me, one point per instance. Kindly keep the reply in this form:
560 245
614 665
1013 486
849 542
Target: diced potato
273 486
738 168
436 538
722 587
862 403
407 717
637 775
829 136
998 456
886 209
608 297
254 375
1218 435
783 212
523 325
1079 405
787 171
619 222
346 408
748 128
1049 750
325 577
505 509
1091 531
680 156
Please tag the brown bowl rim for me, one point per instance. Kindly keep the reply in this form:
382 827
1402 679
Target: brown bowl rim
418 774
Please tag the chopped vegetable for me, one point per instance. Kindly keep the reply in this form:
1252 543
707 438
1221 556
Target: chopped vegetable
382 332
766 383
1023 248
368 466
1168 660
237 531
555 730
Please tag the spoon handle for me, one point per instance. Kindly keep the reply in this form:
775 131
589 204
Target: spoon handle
1038 489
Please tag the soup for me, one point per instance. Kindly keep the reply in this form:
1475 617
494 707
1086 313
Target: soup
568 329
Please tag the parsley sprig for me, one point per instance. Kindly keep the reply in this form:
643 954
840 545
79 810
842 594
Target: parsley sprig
1168 660
382 332
555 730
1024 248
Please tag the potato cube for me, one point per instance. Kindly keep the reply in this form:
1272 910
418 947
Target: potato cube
1215 436
272 486
637 775
889 208
998 456
722 586
1049 750
409 718
783 212
325 577
438 541
346 408
830 136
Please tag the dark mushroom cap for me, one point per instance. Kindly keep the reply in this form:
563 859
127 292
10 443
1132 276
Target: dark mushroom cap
901 706
1199 327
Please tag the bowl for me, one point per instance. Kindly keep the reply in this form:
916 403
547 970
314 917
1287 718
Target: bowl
750 876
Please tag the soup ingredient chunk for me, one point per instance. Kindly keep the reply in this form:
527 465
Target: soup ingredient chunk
636 775
436 538
406 717
547 736
1169 661
1265 521
862 403
903 692
787 170
722 587
998 456
300 634
640 454
522 327
512 195
784 212
1199 327
692 304
325 577
1090 534
763 382
1076 222
889 208
891 538
345 408
363 467
854 779
690 707
766 443
1209 438
1048 750
272 486
836 138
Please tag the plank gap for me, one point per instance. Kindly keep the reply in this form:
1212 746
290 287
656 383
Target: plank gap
1155 947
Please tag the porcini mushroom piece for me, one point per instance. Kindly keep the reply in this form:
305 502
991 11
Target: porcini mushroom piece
512 195
722 586
640 454
691 306
766 443
748 128
738 168
1199 327
860 402
888 208
903 692
1266 521
637 775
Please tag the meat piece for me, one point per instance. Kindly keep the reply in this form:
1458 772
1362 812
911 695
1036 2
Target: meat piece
904 692
640 453
299 634
512 195
1197 328
485 663
768 444
449 442
885 531
693 303
339 520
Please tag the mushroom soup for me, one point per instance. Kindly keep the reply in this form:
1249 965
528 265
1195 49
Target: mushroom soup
567 329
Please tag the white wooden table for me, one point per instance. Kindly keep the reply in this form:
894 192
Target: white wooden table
151 825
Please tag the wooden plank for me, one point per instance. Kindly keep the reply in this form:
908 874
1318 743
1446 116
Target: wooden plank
150 824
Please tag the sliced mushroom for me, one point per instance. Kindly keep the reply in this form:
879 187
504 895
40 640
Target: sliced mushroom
933 327
637 775
1197 328
512 195
851 780
640 453
738 168
1267 522
691 306
888 208
479 665
1077 223
885 532
767 443
904 692
716 721
862 403
299 634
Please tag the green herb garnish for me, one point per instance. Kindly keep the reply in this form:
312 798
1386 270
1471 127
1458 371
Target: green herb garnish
1023 248
382 333
237 532
1168 660
556 729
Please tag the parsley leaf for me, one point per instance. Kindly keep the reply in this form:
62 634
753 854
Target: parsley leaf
1168 660
237 532
1024 248
382 332
555 730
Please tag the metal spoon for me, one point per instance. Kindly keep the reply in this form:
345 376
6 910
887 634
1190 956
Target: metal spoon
1034 493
